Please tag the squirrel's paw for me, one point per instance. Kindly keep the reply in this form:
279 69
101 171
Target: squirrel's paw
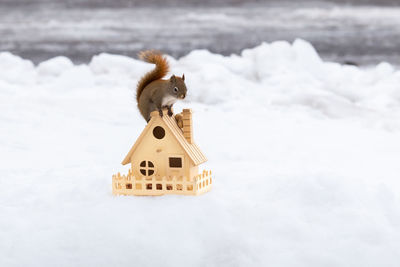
170 113
161 113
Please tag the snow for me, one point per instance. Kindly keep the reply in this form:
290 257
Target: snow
304 153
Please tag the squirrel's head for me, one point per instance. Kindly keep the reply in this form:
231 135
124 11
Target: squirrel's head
177 87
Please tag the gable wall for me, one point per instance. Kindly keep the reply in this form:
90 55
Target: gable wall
158 151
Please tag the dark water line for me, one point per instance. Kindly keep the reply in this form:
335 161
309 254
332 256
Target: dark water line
362 35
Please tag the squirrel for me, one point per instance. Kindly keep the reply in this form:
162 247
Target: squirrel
154 93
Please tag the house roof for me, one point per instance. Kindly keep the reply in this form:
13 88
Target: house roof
192 150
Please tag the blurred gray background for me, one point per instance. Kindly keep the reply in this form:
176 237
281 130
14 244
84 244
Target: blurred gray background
359 32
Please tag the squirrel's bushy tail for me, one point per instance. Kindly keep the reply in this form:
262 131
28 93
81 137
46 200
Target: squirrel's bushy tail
161 69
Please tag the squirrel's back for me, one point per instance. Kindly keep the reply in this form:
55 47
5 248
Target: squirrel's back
161 69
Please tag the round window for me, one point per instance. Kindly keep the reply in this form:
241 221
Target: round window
147 168
159 132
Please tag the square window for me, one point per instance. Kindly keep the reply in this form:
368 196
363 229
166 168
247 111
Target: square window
149 186
175 162
138 186
169 186
159 186
189 187
128 186
179 187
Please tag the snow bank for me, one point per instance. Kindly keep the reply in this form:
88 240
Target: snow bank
284 74
305 155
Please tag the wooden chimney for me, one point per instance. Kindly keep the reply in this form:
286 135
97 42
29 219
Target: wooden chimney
187 125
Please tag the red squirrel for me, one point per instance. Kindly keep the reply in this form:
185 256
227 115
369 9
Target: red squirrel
154 93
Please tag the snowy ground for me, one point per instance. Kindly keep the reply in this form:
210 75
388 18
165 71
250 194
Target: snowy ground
305 156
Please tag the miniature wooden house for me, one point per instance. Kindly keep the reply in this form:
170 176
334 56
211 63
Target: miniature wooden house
164 160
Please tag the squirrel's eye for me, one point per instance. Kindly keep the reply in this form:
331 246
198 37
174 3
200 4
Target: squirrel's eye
176 89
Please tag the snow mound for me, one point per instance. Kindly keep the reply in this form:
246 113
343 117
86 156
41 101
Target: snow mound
54 67
305 156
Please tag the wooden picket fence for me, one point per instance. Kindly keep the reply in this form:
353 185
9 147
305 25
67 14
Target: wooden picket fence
157 185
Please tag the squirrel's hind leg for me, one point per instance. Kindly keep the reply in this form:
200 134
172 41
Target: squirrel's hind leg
150 108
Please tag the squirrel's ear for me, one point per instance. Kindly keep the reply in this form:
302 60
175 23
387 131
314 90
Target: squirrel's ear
183 77
173 79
